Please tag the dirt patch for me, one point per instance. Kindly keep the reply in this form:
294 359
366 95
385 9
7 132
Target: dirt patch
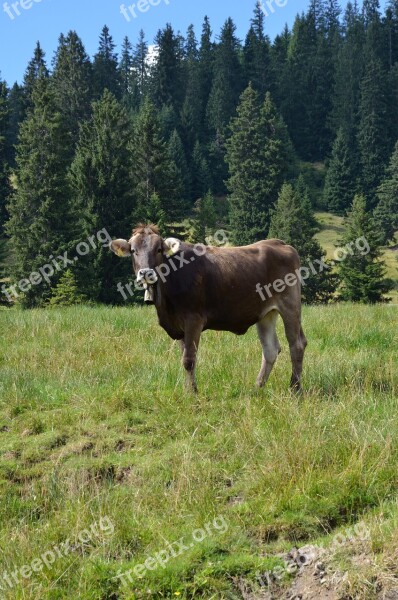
315 578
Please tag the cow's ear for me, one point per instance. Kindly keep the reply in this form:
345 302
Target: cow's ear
120 248
171 246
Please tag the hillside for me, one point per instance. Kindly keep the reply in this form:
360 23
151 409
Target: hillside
97 434
332 229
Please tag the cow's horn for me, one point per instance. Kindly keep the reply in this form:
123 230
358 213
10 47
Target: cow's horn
171 246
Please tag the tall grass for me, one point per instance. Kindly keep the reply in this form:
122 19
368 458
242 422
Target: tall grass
95 422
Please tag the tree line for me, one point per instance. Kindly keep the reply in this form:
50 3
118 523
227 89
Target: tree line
157 135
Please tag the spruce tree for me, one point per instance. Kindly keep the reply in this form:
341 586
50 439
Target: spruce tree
4 269
201 177
102 187
37 68
349 71
362 273
129 77
293 222
3 261
386 213
140 64
153 171
278 152
205 219
153 212
191 109
66 292
374 145
299 87
39 224
5 187
71 81
105 68
205 73
279 65
257 165
228 79
177 155
340 184
16 103
256 54
168 72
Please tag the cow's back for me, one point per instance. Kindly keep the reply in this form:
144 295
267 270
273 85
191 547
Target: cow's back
222 285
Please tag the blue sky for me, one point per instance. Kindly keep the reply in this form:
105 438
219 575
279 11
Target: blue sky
46 19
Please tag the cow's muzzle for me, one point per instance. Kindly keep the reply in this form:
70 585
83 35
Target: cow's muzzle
148 278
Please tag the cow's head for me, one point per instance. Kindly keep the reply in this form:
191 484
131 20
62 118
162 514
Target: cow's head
148 250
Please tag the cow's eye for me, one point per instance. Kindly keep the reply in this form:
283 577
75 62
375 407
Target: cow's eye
159 250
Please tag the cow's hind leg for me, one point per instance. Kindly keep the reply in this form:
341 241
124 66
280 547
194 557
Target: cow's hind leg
266 329
297 344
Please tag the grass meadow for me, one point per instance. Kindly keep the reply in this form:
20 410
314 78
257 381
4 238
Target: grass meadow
95 424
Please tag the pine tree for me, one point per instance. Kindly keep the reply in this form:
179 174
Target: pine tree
227 83
191 109
16 103
256 54
105 69
167 75
71 81
362 273
153 213
279 66
392 31
39 224
340 184
102 187
257 165
140 64
129 77
386 213
153 170
66 292
293 222
4 268
279 154
177 155
205 218
374 145
36 69
3 261
349 71
5 187
201 176
205 74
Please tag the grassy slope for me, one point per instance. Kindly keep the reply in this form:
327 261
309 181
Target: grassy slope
94 421
332 229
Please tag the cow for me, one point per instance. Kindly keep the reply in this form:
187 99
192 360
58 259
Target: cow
196 287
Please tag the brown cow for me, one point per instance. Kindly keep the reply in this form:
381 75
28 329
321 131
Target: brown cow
195 288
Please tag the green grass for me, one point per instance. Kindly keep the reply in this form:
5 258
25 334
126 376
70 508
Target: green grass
94 422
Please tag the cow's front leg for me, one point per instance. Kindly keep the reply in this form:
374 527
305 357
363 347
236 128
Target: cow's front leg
189 346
